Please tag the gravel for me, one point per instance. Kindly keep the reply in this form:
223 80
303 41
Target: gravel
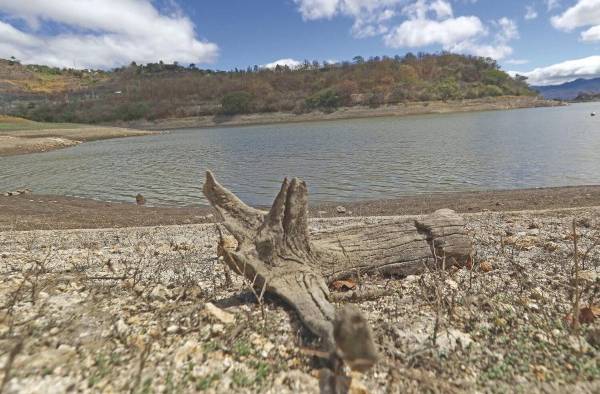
148 310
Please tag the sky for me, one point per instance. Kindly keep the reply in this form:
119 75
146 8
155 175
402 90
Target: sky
549 41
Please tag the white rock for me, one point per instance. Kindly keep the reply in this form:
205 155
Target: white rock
217 329
172 329
161 293
219 314
121 328
340 209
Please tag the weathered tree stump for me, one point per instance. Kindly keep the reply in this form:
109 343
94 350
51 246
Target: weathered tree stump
277 253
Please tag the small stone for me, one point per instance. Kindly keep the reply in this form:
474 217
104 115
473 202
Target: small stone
340 209
174 329
589 276
486 266
578 344
533 306
161 293
217 329
533 232
537 294
541 337
154 332
451 284
219 314
184 352
121 328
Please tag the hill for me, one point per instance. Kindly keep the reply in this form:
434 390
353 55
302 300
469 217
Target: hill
158 91
569 90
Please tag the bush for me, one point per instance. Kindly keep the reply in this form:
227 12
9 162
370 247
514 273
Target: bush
326 99
236 103
492 90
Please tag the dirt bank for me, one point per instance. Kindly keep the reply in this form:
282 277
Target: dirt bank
31 137
29 212
410 108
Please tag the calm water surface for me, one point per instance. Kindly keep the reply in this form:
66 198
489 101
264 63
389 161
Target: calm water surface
340 160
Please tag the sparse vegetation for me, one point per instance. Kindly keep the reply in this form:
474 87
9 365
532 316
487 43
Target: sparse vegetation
158 90
121 310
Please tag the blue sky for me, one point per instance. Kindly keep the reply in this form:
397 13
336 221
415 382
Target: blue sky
551 41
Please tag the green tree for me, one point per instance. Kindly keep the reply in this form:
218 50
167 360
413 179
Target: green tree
236 103
358 60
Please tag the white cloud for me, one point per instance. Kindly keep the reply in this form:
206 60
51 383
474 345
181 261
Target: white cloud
291 63
494 51
584 13
530 13
508 30
422 23
370 16
570 70
317 9
423 32
100 34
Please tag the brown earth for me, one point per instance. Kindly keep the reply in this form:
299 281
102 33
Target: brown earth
29 212
15 142
356 112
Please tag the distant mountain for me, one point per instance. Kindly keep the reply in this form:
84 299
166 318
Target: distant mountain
569 90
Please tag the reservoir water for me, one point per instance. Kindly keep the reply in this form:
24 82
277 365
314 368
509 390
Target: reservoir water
340 160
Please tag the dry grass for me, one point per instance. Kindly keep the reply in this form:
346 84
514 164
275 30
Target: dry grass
122 310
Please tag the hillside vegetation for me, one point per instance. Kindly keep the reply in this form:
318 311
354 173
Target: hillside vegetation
158 91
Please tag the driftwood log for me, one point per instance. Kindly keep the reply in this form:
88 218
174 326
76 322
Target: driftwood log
277 253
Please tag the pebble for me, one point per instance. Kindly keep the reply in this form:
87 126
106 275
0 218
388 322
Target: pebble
340 209
161 293
121 328
219 314
172 329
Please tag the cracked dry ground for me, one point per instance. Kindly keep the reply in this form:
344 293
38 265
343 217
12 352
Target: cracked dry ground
147 310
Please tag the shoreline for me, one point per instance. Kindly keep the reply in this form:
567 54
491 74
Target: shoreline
348 113
32 137
20 141
46 212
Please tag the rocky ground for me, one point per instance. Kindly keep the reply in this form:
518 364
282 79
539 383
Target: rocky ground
148 310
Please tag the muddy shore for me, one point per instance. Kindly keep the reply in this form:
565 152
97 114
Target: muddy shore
37 212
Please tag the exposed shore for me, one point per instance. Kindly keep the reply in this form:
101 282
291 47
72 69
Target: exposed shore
21 136
43 212
356 112
126 310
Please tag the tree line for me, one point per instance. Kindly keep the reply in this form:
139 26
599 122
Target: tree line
159 90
